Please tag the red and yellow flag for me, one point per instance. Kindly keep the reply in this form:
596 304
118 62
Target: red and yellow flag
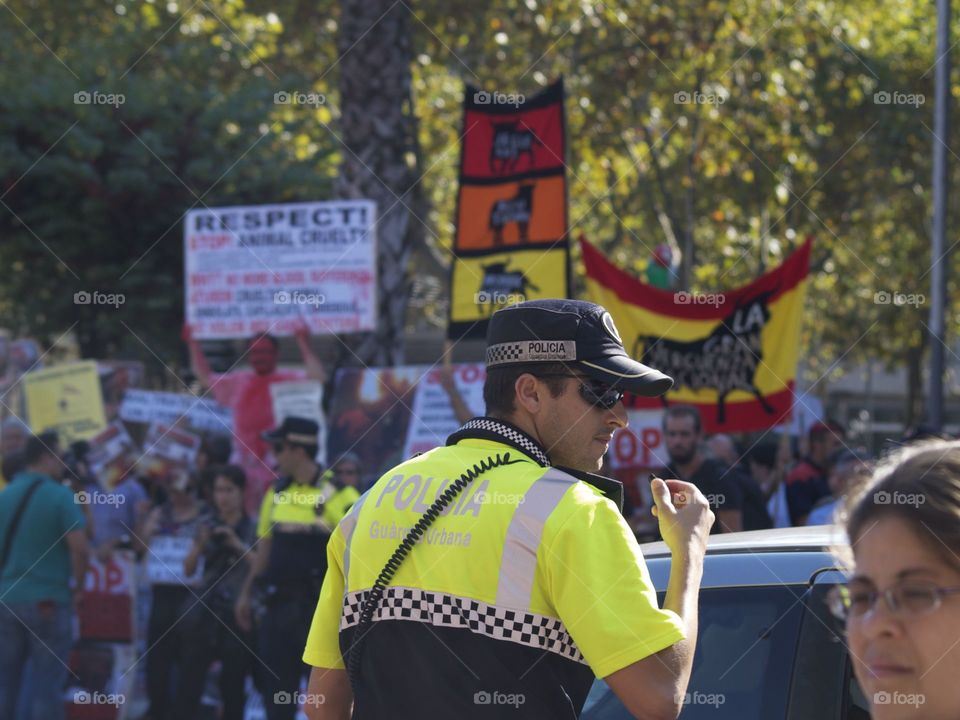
511 240
732 354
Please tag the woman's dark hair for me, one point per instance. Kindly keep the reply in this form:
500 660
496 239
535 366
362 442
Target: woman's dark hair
233 473
499 388
920 485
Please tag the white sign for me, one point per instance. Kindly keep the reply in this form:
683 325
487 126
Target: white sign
165 561
173 444
641 443
303 398
107 447
147 406
432 418
268 268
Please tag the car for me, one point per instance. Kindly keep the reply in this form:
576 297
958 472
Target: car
768 647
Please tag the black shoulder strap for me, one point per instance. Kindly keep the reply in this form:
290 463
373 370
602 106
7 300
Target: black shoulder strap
15 523
611 489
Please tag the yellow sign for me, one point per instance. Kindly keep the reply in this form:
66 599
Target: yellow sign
67 399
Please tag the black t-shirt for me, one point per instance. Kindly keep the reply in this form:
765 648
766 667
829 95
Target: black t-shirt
718 482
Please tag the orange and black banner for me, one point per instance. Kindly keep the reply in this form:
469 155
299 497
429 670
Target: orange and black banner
511 238
732 354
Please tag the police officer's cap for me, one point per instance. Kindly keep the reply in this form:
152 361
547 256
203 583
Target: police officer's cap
294 430
569 331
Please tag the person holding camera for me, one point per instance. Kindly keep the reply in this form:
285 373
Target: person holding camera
223 543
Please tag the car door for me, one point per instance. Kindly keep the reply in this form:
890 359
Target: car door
744 659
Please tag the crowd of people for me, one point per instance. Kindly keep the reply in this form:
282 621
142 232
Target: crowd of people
243 596
242 600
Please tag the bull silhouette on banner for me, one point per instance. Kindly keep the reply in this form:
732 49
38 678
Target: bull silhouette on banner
725 360
510 143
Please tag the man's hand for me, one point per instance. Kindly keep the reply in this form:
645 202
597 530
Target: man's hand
684 515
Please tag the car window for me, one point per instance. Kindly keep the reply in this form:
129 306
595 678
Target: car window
744 659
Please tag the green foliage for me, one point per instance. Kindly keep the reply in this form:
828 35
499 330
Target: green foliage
93 195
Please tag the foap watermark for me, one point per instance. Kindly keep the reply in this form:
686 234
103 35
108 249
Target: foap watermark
299 699
495 297
98 298
899 498
699 698
86 697
486 497
696 97
96 497
482 97
96 97
298 498
687 298
498 698
282 297
899 698
716 500
298 98
885 97
882 297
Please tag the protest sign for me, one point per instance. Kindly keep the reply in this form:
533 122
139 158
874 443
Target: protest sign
302 399
167 450
110 454
147 406
432 418
106 612
67 399
165 560
268 268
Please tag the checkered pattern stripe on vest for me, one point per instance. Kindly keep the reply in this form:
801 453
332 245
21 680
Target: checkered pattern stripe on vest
444 610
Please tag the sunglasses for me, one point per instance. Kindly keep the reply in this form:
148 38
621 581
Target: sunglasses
593 391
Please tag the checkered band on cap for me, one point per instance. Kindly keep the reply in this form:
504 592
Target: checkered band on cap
444 610
524 351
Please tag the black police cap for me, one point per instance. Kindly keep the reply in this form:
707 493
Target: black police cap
294 430
569 331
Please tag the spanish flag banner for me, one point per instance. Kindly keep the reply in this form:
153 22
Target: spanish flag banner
511 238
732 354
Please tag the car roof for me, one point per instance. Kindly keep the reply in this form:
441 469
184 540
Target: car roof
792 539
787 556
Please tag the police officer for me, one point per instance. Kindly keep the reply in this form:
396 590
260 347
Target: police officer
296 519
495 577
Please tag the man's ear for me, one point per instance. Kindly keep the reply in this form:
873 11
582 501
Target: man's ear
528 393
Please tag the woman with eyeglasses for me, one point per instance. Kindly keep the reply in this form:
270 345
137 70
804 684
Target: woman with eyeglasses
902 604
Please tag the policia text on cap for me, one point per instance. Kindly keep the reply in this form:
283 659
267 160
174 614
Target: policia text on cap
495 577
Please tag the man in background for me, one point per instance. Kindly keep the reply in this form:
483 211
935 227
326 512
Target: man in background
807 482
43 559
683 436
755 516
247 394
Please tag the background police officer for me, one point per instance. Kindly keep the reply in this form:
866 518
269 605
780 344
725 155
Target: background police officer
529 582
296 519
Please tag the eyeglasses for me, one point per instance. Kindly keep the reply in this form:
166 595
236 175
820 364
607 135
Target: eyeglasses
593 391
853 602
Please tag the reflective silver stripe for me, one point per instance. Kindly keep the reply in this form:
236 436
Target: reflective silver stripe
518 566
347 526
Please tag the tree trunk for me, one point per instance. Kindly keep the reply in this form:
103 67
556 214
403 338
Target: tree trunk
377 131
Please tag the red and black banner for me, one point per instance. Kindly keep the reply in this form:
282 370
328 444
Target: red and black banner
511 237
